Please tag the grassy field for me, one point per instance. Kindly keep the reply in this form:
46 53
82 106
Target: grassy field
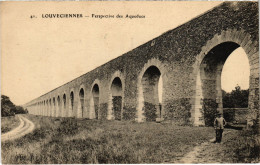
237 147
9 123
67 140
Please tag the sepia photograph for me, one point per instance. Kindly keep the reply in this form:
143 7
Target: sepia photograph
129 82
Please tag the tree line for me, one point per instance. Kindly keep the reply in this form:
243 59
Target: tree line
237 98
8 108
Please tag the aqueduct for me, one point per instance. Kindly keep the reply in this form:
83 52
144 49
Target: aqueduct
189 60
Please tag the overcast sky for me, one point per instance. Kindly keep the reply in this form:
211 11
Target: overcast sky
41 54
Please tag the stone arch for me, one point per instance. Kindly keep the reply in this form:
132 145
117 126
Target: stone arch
82 101
58 114
47 107
209 97
94 99
64 107
50 107
116 96
152 81
44 108
54 107
41 107
71 103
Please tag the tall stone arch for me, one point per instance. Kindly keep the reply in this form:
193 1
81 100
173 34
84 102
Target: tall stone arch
82 108
64 109
94 109
58 107
50 106
111 115
140 117
237 38
71 98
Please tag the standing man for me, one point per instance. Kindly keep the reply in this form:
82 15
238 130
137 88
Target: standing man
219 124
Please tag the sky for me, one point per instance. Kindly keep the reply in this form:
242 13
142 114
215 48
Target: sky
235 71
40 54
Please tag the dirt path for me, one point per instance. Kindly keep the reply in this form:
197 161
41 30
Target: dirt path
200 154
25 127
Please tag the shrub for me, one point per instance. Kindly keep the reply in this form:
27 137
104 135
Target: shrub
210 109
149 111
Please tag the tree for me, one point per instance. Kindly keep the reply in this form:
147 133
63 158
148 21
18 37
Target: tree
236 98
8 108
20 110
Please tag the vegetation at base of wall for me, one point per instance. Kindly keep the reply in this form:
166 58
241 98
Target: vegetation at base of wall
235 115
179 111
103 111
8 123
209 111
68 140
129 113
117 106
8 108
237 98
229 115
149 111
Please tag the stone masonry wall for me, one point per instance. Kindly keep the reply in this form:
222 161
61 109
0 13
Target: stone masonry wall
177 54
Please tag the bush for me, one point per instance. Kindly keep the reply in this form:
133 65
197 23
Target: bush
149 111
20 110
210 109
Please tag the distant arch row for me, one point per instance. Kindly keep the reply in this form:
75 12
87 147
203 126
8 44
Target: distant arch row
63 105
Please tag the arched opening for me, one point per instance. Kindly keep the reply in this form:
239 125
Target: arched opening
59 107
54 107
116 91
150 86
160 90
209 94
235 87
81 99
44 108
71 102
95 100
64 104
50 108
